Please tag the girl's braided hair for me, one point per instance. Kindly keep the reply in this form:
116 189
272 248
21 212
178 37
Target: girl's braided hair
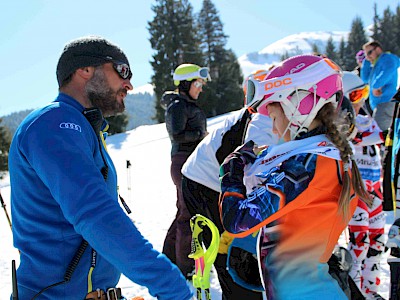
327 116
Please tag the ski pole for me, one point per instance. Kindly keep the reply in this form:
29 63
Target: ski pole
5 210
203 259
129 180
14 281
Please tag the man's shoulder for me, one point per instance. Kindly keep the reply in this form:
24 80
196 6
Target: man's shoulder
55 115
390 57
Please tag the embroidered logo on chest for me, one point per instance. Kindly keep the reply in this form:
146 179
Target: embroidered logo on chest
67 125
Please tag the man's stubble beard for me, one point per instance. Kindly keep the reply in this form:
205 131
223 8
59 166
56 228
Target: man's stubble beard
102 96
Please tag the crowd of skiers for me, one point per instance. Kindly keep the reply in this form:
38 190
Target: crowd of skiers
282 178
263 200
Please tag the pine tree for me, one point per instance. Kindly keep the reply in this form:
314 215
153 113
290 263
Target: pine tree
315 49
285 56
5 141
330 49
396 31
356 40
387 38
376 34
224 92
341 56
174 39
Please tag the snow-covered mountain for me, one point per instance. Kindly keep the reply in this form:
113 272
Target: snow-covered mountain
300 43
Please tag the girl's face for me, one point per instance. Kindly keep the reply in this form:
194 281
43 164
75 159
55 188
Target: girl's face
279 120
196 88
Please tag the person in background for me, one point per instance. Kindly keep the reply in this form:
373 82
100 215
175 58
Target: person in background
360 56
186 125
73 237
367 226
200 180
379 70
298 193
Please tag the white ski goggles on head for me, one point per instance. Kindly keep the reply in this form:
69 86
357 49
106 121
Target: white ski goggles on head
202 73
256 90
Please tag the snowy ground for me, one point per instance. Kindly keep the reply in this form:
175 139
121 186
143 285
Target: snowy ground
150 193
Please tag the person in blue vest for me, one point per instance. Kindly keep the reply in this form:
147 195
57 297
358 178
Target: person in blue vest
379 70
74 239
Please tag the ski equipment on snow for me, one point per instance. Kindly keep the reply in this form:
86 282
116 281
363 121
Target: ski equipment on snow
203 259
5 210
14 281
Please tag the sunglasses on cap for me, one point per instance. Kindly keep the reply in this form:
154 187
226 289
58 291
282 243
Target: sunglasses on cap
369 52
359 94
123 69
202 73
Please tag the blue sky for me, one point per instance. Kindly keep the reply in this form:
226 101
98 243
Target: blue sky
33 33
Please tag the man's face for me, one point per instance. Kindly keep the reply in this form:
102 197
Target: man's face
371 53
106 90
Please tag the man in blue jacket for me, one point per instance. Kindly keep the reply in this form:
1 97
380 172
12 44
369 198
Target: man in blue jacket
64 197
379 70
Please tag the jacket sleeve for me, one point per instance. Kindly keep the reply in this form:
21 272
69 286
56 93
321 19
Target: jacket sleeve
64 160
177 119
365 71
233 137
242 215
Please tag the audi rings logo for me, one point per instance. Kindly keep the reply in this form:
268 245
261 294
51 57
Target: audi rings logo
70 126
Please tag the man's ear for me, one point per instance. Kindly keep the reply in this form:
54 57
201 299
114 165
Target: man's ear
85 72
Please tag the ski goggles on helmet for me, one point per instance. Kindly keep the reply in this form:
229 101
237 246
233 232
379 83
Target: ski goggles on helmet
359 94
307 78
202 73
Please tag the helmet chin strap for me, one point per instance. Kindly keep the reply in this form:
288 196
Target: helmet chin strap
296 127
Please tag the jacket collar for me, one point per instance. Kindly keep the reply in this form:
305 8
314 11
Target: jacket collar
69 100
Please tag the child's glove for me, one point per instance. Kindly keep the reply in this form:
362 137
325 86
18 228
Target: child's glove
246 152
235 162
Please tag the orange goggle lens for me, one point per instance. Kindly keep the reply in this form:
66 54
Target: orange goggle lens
359 94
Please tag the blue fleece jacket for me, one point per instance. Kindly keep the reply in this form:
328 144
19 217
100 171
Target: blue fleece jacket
59 197
383 74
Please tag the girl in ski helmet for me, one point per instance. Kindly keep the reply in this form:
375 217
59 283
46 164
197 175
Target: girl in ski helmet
300 193
367 226
186 125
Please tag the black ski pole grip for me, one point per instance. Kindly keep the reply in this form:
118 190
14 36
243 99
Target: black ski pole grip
14 281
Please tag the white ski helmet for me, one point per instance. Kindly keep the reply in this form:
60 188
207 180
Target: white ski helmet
354 88
190 72
302 84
